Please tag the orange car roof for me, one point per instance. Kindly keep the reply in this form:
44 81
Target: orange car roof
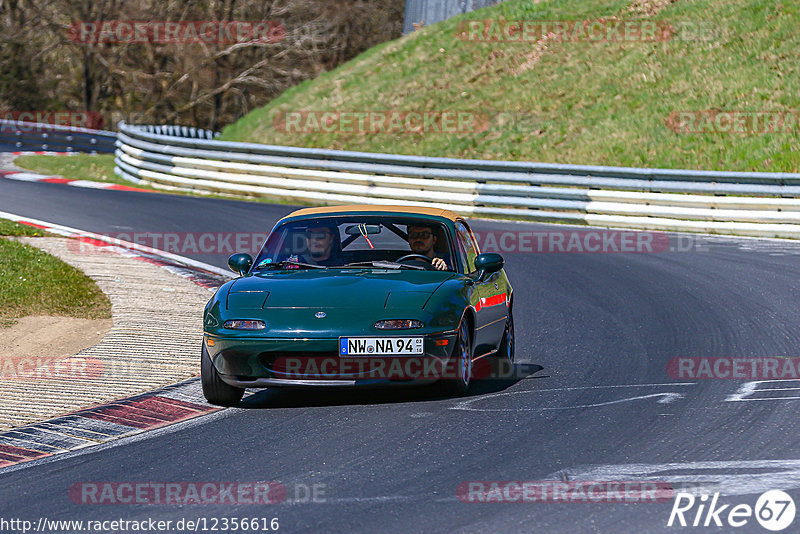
361 208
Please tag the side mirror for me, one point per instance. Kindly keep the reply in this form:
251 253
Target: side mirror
240 263
488 263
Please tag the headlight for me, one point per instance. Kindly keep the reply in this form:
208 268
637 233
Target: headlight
398 324
244 324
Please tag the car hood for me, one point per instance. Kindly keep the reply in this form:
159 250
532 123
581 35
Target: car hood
321 289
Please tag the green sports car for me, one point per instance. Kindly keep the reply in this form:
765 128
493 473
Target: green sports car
358 296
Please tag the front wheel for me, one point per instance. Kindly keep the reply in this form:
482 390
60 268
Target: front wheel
457 381
505 352
214 389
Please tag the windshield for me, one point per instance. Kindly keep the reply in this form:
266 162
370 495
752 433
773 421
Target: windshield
358 241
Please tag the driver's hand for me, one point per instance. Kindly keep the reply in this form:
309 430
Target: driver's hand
439 264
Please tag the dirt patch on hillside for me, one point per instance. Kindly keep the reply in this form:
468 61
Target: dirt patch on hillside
52 337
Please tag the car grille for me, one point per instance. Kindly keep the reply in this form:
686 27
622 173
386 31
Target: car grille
276 362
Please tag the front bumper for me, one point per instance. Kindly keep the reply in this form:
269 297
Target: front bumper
256 362
322 383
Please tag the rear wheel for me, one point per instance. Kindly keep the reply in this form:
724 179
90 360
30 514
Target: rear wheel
214 389
457 381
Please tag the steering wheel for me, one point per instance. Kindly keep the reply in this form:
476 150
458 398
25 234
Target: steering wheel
418 257
415 257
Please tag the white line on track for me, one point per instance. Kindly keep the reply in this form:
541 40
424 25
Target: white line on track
734 477
666 397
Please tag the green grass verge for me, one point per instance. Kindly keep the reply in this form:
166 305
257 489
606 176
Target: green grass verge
9 228
603 103
33 282
95 167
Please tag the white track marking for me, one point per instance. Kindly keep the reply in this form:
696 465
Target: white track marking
750 388
86 183
666 397
744 477
27 177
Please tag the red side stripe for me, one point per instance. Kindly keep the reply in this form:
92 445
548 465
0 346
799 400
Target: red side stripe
491 301
495 300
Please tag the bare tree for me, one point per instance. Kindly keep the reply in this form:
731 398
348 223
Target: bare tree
206 84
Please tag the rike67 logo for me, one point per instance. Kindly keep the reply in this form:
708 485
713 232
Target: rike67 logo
774 510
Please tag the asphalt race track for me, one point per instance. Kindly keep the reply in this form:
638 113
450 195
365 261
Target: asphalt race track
601 326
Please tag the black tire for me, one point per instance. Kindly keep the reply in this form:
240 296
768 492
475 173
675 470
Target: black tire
502 361
214 389
459 378
506 351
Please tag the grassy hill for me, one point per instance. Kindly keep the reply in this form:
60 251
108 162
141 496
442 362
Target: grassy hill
571 101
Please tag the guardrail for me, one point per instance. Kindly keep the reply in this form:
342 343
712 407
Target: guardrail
754 204
25 136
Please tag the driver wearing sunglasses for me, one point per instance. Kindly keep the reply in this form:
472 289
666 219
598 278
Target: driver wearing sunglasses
320 245
422 240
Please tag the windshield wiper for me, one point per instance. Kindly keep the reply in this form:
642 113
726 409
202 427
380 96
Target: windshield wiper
384 265
285 263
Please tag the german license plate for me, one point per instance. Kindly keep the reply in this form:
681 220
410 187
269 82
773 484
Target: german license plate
380 346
